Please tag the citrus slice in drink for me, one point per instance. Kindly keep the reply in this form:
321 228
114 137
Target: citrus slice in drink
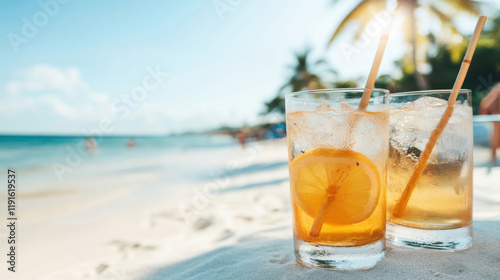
344 184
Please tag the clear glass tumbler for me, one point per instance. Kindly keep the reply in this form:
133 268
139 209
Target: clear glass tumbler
338 175
437 213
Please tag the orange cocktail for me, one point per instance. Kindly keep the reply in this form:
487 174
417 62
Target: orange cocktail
338 157
438 213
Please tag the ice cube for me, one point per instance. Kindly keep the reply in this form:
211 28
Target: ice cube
323 107
426 101
414 151
346 107
411 128
461 113
313 129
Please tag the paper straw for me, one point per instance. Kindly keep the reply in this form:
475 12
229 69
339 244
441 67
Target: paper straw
424 157
365 99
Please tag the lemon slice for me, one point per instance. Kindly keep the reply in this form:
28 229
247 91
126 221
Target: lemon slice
333 186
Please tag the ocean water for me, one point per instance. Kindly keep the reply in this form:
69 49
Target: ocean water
46 159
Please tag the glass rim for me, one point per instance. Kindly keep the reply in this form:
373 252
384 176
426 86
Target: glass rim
297 94
427 92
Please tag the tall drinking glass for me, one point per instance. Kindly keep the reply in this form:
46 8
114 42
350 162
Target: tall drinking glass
438 212
337 163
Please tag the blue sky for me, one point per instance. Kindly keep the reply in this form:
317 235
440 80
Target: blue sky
214 67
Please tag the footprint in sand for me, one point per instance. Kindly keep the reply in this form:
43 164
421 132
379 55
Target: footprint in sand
155 219
280 259
101 267
226 234
79 272
269 208
130 248
202 223
269 203
245 218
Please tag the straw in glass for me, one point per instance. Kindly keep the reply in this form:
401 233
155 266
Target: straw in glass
424 157
365 99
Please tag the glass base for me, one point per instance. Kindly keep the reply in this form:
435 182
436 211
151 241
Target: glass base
450 240
339 258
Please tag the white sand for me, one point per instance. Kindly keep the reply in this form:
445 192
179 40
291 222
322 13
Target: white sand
232 223
272 258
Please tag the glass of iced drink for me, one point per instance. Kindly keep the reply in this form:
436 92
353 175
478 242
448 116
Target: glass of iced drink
437 214
337 163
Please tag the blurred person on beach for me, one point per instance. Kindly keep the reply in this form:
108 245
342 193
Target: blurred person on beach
91 145
490 105
261 134
131 143
241 138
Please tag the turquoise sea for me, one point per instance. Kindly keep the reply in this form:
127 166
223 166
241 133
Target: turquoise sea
41 158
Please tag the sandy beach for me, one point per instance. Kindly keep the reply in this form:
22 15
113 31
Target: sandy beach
147 140
228 219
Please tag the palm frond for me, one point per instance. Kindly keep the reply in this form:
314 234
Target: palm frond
468 6
325 66
301 60
355 15
376 7
331 71
456 50
283 87
446 20
321 61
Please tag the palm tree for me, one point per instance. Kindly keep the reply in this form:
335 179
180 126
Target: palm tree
444 11
305 76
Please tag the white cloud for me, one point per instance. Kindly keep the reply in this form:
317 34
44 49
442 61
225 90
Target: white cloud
48 91
98 97
16 104
44 77
59 106
65 103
